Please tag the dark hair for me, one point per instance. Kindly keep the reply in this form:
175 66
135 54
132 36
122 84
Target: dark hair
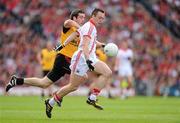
96 10
75 13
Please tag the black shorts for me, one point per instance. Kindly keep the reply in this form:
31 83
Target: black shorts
60 68
45 72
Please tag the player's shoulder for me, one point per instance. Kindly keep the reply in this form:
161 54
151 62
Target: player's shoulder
88 24
44 50
130 50
67 23
85 25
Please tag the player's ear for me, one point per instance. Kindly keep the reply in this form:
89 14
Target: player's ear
74 18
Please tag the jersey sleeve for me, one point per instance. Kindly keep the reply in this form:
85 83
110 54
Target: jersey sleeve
131 54
119 54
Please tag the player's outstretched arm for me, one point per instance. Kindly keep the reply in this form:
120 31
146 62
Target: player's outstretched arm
86 41
58 47
69 39
68 24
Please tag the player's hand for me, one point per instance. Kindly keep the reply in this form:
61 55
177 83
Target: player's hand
116 72
58 47
89 63
128 58
103 45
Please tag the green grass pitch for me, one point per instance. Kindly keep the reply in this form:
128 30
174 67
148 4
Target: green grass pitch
31 109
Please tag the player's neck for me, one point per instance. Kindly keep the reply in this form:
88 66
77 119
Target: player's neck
124 49
92 21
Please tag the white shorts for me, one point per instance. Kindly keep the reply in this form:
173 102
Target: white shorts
78 63
125 71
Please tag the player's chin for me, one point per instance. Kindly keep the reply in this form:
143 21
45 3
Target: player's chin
98 24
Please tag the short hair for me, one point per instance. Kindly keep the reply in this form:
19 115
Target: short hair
96 10
75 13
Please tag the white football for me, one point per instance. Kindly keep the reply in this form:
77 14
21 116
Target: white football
111 49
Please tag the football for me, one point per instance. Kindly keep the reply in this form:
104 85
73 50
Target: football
111 49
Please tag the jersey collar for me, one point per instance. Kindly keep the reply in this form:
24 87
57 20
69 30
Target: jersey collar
91 21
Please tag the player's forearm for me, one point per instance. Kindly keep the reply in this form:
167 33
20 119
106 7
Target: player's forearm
86 51
86 41
75 24
70 38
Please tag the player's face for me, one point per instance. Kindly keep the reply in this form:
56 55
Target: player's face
80 18
99 18
124 44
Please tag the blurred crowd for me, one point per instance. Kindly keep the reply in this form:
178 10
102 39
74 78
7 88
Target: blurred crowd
167 8
26 25
166 12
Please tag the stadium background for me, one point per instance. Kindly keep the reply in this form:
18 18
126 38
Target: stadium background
151 27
